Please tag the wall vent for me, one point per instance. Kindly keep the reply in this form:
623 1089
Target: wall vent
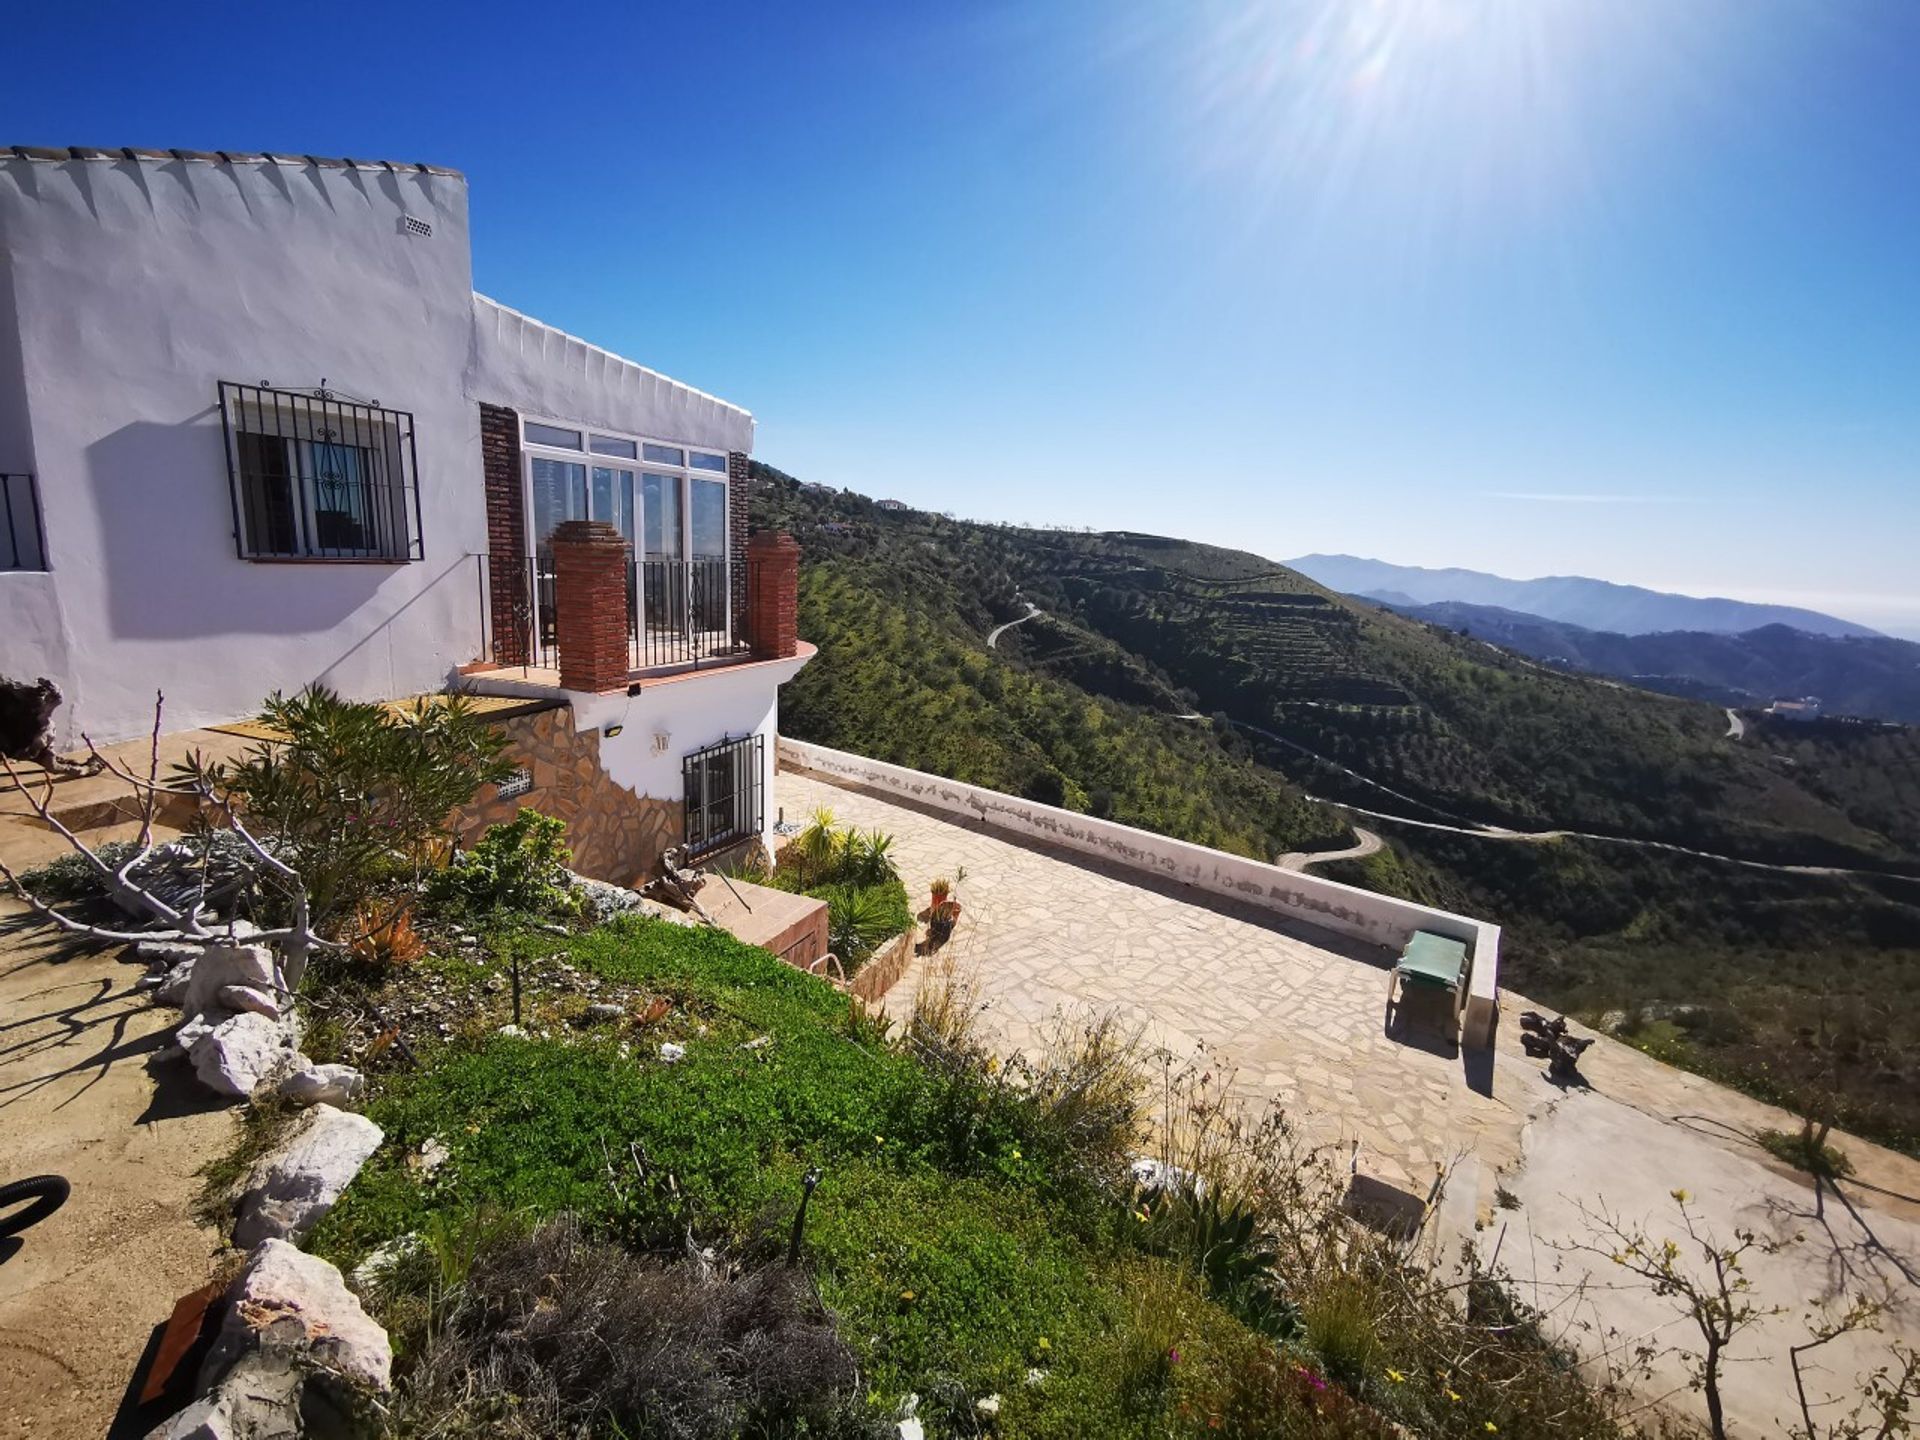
413 225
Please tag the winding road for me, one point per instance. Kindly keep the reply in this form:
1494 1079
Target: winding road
1482 831
1303 859
993 635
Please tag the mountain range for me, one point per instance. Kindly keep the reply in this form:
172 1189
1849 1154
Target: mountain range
1573 599
1874 676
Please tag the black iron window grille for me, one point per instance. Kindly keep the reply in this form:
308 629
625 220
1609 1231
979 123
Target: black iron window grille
318 476
725 799
23 534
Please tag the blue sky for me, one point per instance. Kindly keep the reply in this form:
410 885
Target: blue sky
1628 288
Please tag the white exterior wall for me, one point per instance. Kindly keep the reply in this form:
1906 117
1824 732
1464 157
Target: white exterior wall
129 288
690 713
1343 909
135 286
531 367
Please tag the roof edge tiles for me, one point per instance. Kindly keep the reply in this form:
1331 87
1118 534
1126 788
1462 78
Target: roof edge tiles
57 154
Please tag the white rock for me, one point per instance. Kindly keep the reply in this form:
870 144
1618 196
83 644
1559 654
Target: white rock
912 1429
292 1189
511 1031
310 1084
241 1051
1036 1376
381 1259
166 954
432 1156
291 1303
259 1399
245 997
672 1053
222 965
189 1031
172 988
988 1405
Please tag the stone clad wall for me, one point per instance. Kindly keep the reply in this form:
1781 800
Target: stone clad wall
615 835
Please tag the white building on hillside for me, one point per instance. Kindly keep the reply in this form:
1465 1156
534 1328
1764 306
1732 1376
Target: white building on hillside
258 433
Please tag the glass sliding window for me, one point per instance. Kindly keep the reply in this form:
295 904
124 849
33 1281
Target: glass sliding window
559 494
538 434
660 509
709 520
704 460
607 445
663 454
612 499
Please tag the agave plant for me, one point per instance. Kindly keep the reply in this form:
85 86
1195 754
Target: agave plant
869 858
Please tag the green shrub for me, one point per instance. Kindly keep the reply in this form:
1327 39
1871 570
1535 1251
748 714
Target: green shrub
70 877
855 873
518 865
356 790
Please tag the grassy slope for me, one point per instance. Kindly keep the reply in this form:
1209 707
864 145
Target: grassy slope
954 1236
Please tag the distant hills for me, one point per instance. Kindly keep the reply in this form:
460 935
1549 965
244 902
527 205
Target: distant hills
1572 599
1874 676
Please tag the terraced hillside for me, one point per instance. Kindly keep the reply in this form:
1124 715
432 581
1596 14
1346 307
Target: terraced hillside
1135 692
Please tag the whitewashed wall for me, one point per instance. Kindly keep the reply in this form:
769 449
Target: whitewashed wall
529 366
1343 909
129 288
668 721
136 286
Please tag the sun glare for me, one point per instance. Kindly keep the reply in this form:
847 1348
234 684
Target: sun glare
1445 112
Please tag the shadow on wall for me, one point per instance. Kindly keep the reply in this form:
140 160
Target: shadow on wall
165 522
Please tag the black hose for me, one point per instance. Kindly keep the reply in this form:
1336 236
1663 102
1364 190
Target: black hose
44 1194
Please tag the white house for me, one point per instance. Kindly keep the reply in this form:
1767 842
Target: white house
258 432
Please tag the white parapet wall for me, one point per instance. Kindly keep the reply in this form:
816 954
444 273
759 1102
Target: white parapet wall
1343 909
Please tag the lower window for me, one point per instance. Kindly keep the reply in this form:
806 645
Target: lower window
724 799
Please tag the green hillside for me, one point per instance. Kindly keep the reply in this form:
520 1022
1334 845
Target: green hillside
1082 704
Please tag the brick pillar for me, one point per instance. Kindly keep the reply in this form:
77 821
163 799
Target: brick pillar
737 489
773 595
509 586
590 605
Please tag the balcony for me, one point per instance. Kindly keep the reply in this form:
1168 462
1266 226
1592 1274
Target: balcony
679 613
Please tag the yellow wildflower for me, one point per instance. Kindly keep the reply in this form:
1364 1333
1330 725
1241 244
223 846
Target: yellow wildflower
1492 1429
1454 1396
1396 1377
1680 1195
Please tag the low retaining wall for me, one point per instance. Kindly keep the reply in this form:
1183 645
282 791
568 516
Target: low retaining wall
884 967
1343 909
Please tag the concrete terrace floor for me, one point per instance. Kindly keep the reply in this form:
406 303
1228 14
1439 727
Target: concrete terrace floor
1297 1017
1296 1014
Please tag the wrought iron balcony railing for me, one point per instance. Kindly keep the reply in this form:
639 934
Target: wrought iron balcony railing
679 613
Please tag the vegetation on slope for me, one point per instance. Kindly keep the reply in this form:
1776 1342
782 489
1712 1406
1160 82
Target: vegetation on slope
903 675
973 1246
1780 965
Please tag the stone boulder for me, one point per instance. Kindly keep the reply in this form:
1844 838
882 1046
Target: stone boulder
260 1399
172 989
310 1084
239 1051
291 1190
290 1304
219 966
239 998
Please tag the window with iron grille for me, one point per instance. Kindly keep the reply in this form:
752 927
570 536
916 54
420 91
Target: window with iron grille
23 539
724 798
317 476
